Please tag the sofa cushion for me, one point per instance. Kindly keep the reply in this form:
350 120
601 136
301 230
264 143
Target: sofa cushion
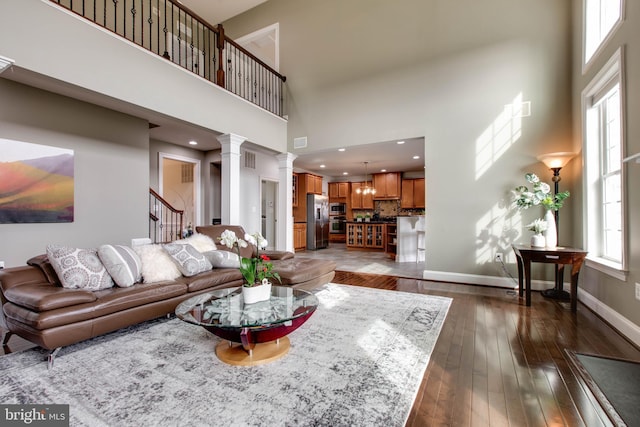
223 259
215 231
157 265
188 260
122 263
42 262
79 268
219 277
43 297
299 270
201 242
113 300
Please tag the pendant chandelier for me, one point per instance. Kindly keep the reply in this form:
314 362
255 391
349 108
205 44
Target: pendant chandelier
366 189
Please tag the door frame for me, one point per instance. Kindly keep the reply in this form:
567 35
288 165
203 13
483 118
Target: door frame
276 183
197 196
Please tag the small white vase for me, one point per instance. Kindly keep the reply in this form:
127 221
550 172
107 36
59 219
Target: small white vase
256 293
538 241
551 235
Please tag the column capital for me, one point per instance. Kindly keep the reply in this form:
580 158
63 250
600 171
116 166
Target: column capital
285 160
231 142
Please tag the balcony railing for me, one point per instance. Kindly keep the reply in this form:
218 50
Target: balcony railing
179 35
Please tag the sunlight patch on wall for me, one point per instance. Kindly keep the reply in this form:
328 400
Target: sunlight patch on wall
496 230
501 134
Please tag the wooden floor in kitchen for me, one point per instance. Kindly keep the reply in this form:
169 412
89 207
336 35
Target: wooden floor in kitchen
500 363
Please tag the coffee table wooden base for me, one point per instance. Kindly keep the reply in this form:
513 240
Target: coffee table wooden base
262 353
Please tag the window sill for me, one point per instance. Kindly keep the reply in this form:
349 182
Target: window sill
607 267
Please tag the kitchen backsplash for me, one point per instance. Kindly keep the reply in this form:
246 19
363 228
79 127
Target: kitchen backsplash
387 208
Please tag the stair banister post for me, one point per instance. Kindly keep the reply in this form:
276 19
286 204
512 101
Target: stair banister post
220 46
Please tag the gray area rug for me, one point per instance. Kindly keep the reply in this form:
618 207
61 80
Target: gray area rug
358 361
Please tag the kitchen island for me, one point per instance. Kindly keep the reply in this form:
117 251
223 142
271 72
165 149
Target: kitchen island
366 235
410 236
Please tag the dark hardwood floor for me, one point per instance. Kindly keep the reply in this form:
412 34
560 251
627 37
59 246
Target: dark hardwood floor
500 363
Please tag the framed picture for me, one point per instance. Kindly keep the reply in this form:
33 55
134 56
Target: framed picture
36 183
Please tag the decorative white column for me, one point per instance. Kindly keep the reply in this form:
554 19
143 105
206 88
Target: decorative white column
230 209
285 201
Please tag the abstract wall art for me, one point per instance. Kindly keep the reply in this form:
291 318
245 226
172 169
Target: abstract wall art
36 183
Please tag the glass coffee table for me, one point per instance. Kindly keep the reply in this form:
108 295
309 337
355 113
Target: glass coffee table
254 333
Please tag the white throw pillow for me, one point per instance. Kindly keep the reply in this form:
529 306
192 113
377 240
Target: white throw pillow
79 268
201 242
122 263
188 260
157 265
223 259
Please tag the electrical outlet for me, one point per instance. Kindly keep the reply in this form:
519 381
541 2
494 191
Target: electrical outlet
637 290
498 257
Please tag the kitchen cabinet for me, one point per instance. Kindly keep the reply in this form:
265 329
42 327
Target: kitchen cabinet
306 183
338 191
360 201
391 240
313 183
413 194
387 185
365 235
300 236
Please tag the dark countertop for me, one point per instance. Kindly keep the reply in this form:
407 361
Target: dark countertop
372 222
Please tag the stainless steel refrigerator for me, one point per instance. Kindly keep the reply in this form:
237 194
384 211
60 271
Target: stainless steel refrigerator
317 221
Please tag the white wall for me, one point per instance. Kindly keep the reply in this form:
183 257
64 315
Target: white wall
365 71
111 170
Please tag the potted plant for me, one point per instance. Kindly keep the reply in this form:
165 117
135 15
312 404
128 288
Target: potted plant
538 226
257 271
358 218
540 194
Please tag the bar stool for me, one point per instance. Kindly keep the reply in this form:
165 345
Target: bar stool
420 244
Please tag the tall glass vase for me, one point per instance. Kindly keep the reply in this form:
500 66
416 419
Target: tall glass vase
551 234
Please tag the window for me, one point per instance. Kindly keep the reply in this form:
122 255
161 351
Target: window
603 115
600 17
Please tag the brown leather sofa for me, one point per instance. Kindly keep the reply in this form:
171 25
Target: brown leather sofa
37 308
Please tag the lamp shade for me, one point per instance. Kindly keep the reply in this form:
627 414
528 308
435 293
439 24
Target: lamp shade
556 160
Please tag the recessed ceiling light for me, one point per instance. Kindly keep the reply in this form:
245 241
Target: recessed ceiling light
416 157
345 173
341 149
322 166
193 142
400 142
383 170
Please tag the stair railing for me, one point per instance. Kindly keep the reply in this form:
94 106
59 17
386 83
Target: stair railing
165 221
174 32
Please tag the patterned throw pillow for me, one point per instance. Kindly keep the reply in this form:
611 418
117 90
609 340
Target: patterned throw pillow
79 268
122 264
188 260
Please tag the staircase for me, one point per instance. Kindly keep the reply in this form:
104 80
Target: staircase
165 221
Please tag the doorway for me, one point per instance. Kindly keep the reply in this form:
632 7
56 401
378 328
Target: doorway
179 185
269 211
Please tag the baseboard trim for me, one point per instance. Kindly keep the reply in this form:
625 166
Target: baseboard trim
623 325
476 279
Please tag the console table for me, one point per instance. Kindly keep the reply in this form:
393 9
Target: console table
525 255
